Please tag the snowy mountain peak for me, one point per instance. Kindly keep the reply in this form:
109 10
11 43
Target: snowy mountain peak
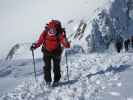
109 22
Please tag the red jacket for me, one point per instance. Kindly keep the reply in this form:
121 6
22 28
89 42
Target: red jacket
50 42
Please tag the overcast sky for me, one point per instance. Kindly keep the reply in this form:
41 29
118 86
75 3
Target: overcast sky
23 20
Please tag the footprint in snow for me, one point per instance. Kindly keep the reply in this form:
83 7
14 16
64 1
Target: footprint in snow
5 73
129 98
119 84
114 93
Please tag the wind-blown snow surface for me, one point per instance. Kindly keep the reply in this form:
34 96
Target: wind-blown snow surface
96 76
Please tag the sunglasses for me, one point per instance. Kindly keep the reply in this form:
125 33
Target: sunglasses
52 31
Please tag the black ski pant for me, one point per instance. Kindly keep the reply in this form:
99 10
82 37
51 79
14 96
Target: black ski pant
56 67
132 44
126 44
118 46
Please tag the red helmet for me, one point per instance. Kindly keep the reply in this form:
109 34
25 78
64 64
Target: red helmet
54 24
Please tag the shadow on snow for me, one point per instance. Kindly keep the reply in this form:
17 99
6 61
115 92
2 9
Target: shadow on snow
113 69
70 82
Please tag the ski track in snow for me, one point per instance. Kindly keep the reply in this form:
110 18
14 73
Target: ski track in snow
89 74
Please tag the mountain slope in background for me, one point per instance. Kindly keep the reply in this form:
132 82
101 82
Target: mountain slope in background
107 24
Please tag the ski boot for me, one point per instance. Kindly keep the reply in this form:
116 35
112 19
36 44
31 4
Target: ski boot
55 84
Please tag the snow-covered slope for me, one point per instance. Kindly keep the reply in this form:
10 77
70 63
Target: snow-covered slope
92 77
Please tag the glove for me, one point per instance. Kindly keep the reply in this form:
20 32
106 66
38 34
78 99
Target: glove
33 46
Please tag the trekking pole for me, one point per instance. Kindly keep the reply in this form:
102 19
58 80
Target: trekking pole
67 66
34 64
41 87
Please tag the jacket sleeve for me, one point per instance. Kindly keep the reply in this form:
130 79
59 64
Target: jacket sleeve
40 40
64 40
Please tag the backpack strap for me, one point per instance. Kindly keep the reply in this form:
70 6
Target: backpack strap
46 34
60 30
